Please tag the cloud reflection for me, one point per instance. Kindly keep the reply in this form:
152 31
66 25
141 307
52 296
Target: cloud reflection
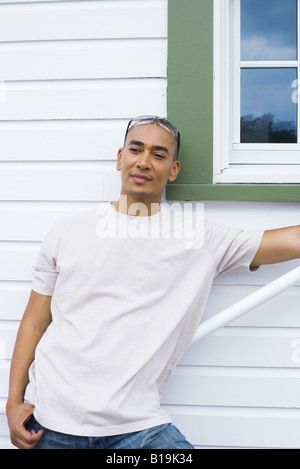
266 101
268 29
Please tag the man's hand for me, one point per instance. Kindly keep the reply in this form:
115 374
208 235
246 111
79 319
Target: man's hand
18 415
35 321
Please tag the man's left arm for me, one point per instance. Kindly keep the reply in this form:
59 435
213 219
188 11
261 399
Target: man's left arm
278 245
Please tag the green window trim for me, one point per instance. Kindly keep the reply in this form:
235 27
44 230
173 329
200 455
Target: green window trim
190 107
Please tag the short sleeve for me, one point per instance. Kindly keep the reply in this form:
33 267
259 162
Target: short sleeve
233 250
45 270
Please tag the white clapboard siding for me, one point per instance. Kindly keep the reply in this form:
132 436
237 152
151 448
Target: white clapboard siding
233 387
16 260
30 221
4 377
238 427
3 425
8 331
5 443
264 275
252 215
51 184
34 1
280 311
13 298
245 347
62 140
63 60
83 99
58 182
83 20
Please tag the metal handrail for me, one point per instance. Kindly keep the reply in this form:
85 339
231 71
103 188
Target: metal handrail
248 303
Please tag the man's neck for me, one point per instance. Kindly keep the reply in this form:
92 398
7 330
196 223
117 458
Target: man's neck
135 207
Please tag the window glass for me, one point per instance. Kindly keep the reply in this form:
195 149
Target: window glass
268 112
268 29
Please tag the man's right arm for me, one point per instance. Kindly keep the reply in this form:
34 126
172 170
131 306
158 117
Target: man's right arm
35 321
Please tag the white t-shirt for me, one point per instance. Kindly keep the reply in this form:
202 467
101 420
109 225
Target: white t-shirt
125 307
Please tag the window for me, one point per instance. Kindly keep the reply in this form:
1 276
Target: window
267 34
233 68
256 64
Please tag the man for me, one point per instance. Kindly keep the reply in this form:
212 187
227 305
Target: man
116 298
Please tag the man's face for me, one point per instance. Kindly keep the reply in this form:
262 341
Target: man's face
147 162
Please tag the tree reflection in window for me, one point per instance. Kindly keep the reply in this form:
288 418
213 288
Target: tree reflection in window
268 111
265 129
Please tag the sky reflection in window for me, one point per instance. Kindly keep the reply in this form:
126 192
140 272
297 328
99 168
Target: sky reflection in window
268 29
268 112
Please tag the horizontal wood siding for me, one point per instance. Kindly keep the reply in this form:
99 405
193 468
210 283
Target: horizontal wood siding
80 59
93 99
71 75
52 21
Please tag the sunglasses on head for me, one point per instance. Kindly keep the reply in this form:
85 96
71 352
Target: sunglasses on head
161 121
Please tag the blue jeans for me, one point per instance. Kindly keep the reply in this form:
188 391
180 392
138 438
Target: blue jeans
165 436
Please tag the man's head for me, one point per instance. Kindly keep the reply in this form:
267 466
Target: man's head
148 159
162 122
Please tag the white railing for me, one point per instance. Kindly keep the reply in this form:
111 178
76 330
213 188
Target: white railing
248 303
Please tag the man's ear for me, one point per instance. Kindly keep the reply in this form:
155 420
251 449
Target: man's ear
174 172
119 158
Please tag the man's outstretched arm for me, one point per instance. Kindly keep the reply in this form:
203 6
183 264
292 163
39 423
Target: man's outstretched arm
278 245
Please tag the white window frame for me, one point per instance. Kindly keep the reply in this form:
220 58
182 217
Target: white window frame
235 162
